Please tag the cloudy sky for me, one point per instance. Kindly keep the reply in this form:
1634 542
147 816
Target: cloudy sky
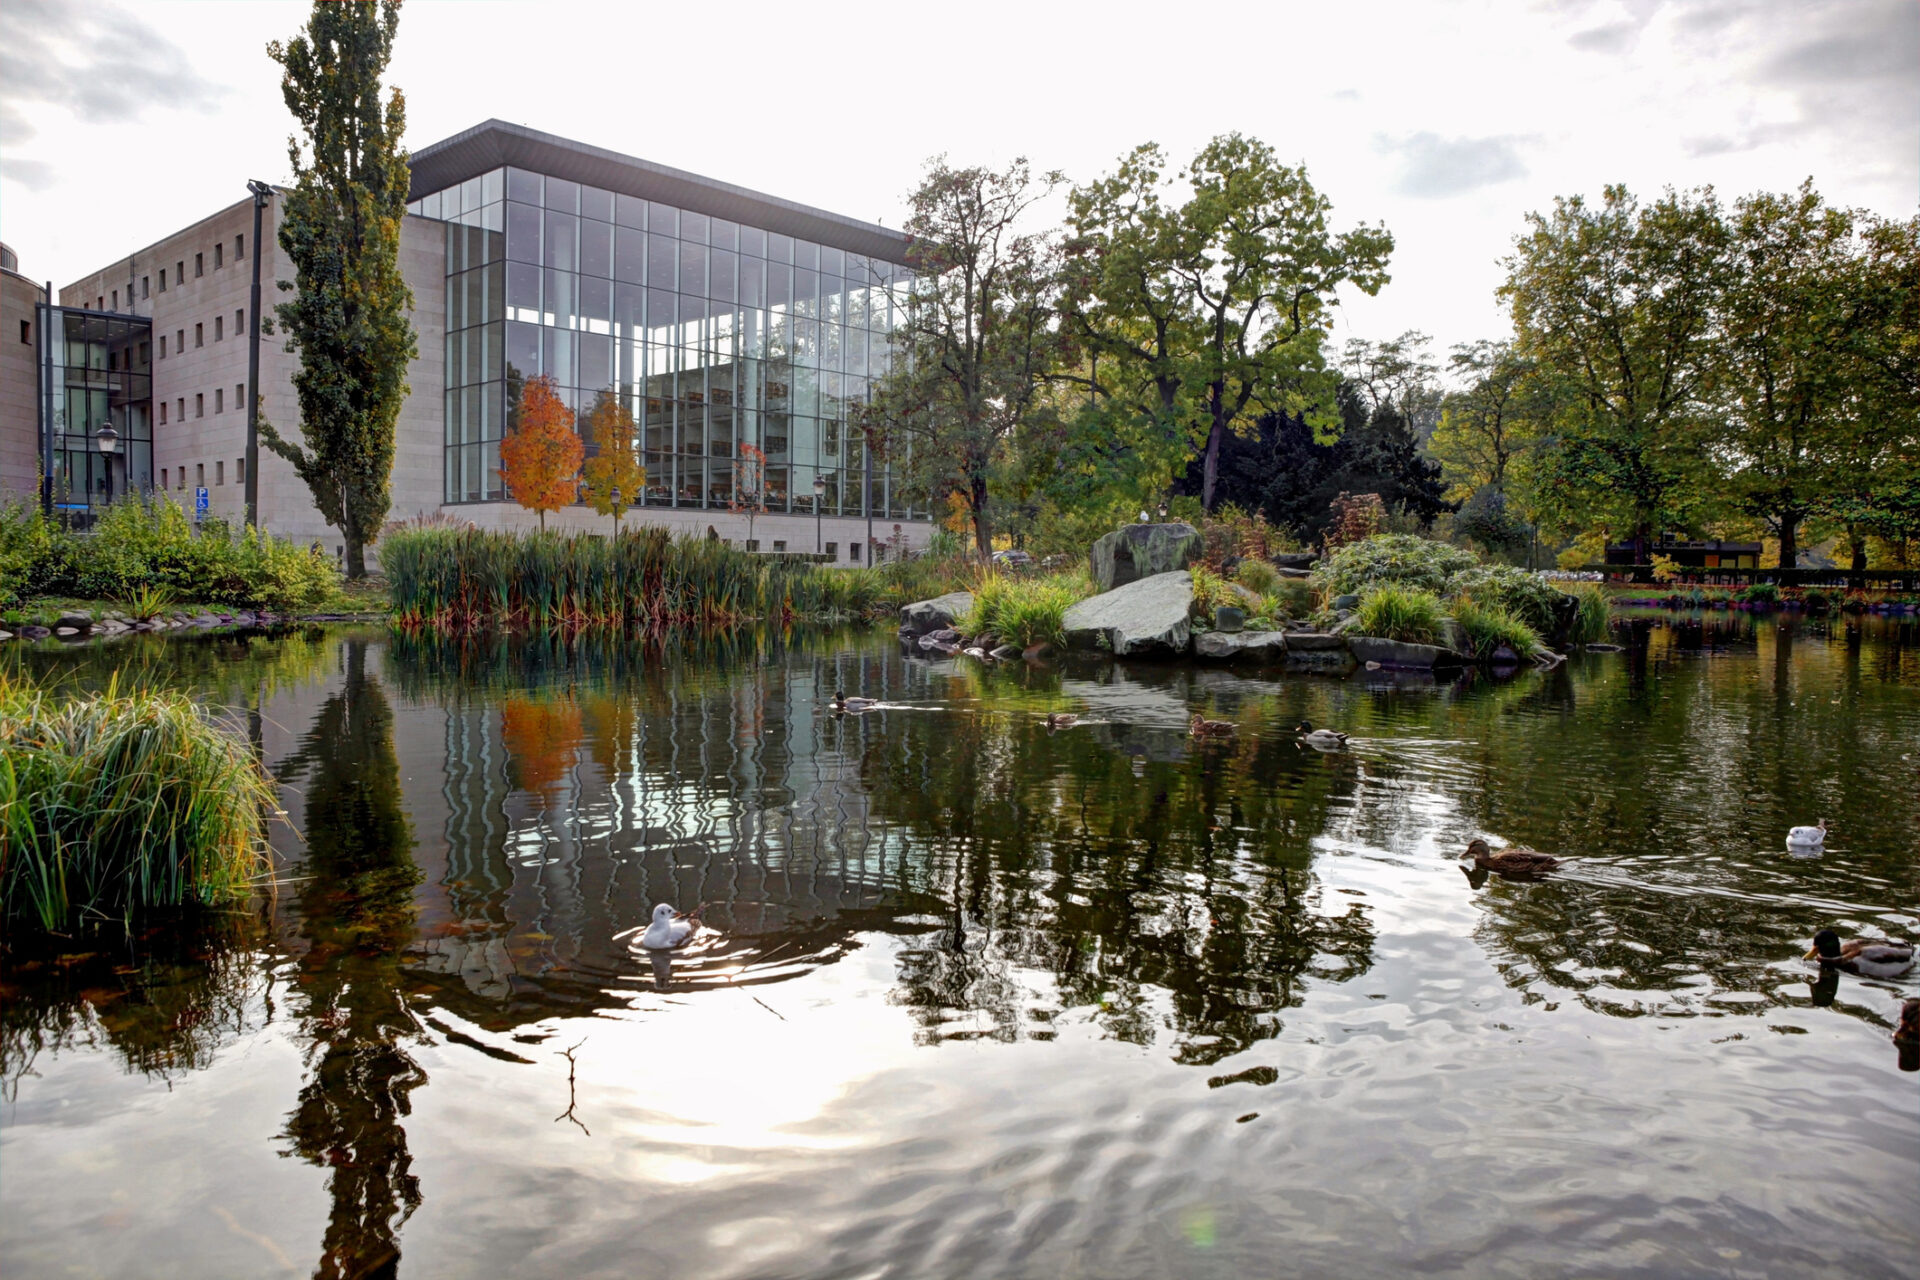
1447 121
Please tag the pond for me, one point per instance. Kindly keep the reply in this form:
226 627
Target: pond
979 999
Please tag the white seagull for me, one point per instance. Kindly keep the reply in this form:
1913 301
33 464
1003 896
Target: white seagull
1808 835
670 928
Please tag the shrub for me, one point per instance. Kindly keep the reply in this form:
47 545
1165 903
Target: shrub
1525 595
1401 558
1487 627
1394 612
1258 576
115 804
1211 591
1591 620
1357 517
1760 593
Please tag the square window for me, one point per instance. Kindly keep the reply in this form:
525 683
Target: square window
780 545
833 551
199 265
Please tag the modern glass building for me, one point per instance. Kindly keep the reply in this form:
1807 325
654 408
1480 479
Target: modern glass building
721 317
96 381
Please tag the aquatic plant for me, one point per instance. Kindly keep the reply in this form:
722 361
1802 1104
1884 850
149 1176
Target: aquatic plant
1394 612
1591 619
1488 627
122 802
1024 611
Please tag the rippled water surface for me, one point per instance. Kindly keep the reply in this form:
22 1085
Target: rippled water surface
981 1000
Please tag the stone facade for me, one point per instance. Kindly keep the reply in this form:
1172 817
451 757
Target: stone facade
19 383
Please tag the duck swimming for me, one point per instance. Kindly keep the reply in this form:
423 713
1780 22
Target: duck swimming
1808 835
1320 737
843 704
1061 720
670 928
1201 727
1868 959
1519 864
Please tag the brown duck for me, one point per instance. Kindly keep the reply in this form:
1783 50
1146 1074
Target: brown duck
1201 727
1514 864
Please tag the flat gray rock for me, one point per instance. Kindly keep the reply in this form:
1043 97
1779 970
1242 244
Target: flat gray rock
1147 618
1140 551
938 614
1400 653
1237 646
1303 641
76 621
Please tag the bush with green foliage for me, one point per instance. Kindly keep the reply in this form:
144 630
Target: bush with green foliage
1525 595
140 544
1258 576
1394 612
1767 593
1401 558
115 804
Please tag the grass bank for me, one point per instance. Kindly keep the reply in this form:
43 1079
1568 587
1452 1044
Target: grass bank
115 804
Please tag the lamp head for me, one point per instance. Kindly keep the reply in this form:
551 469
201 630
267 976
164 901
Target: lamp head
106 439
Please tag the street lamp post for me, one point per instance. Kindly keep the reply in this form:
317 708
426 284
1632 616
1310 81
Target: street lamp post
819 492
107 441
262 192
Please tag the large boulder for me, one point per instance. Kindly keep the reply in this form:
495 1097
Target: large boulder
1147 618
1306 641
938 614
1143 551
1241 646
1400 653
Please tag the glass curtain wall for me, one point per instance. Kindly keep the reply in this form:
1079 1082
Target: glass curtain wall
716 335
96 370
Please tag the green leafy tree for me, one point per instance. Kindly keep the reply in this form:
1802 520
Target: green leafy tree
614 477
340 226
1197 319
977 341
1615 306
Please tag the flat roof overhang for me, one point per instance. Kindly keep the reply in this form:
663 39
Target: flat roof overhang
496 143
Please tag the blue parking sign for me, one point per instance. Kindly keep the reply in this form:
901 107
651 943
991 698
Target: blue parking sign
199 503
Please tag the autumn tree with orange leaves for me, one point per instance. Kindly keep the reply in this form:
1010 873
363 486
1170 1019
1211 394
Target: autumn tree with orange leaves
540 458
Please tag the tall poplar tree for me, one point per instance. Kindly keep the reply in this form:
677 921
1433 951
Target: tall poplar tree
340 225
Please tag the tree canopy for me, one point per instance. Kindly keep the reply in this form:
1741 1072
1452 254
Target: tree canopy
540 457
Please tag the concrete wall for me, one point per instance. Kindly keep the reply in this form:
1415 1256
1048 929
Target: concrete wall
19 389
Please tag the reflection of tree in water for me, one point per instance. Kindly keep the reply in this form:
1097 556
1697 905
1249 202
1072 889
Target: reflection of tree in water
165 1000
1188 885
357 912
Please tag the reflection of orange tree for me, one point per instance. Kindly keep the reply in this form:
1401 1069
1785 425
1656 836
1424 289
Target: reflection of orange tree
749 485
540 736
613 718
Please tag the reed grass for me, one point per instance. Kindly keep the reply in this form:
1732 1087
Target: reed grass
1594 615
645 578
118 803
1490 626
1394 612
1024 611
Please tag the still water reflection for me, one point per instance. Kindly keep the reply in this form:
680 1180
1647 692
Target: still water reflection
985 999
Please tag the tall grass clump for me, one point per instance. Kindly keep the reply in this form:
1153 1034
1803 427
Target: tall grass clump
1488 627
1259 577
1591 620
1394 612
643 578
1024 611
115 804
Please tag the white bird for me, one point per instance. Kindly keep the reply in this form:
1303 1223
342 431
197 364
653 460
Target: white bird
1808 835
670 928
